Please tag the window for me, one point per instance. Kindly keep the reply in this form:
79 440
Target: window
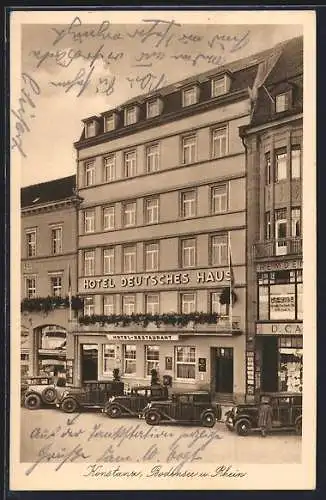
189 146
89 221
152 301
56 240
109 355
189 96
152 108
108 261
296 222
219 142
216 306
152 358
130 115
188 303
268 226
56 286
89 306
151 210
130 167
108 218
90 129
128 304
30 287
280 165
188 204
268 165
129 356
218 86
108 304
281 102
129 214
152 158
188 253
109 122
219 250
89 173
219 199
31 242
295 162
186 362
280 295
129 259
152 256
89 263
109 168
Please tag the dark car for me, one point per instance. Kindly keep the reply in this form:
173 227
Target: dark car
40 391
90 395
286 408
184 408
132 404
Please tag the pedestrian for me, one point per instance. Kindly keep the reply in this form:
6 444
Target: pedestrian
265 415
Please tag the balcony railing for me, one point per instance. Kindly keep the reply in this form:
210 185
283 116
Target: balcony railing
275 248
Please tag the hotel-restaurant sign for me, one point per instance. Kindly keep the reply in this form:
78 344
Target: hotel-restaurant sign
279 329
156 280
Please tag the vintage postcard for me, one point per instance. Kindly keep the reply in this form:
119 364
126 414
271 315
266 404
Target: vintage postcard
163 242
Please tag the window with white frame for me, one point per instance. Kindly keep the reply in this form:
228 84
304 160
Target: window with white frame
219 250
89 173
152 256
280 165
109 358
295 162
56 240
89 307
129 359
31 242
128 304
216 307
219 199
281 102
130 115
152 158
90 129
108 304
152 108
109 168
130 165
129 214
89 262
109 122
296 222
268 168
152 303
108 260
56 286
129 259
151 210
185 357
152 358
189 148
188 252
89 221
108 218
188 203
189 96
218 86
188 303
219 142
30 287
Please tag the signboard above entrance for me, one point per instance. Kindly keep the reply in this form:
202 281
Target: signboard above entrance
279 265
279 329
142 337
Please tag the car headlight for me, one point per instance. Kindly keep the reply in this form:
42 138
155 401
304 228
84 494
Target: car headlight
112 398
64 394
149 405
235 411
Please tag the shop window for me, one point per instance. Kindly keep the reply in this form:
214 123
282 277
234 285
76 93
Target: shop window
291 365
185 362
280 295
109 358
129 358
280 165
152 358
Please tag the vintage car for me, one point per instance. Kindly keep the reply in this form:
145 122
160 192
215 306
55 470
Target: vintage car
91 395
40 391
287 414
132 404
184 408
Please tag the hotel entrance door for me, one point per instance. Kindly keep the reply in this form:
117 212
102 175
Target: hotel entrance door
89 362
222 368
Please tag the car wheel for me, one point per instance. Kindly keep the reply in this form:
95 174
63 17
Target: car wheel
243 427
298 427
208 419
69 405
152 418
32 402
113 411
49 394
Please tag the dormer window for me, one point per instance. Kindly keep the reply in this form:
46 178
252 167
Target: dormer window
130 115
218 86
190 96
282 102
153 108
90 129
109 122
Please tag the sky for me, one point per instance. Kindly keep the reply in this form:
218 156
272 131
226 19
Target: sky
55 56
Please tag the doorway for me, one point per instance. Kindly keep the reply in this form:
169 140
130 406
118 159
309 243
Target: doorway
269 365
89 362
224 370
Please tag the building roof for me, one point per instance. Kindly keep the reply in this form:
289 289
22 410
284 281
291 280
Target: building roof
48 192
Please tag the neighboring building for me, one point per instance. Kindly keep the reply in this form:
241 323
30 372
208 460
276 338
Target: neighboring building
274 142
48 250
163 179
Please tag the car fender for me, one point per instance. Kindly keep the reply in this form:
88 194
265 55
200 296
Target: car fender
124 408
162 413
299 417
245 416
